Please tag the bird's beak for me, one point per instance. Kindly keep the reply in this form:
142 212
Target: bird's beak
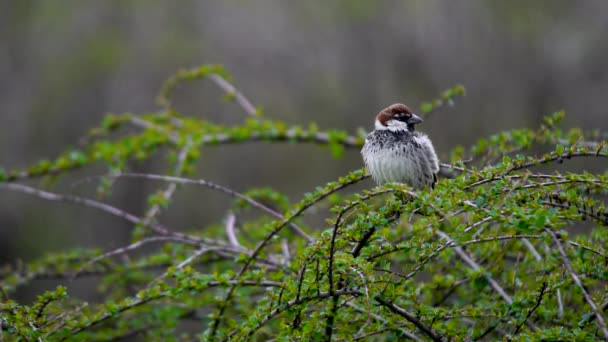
414 119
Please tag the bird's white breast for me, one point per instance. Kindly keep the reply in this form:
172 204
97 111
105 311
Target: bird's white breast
390 165
411 161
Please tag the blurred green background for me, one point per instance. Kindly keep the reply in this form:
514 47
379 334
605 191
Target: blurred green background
65 64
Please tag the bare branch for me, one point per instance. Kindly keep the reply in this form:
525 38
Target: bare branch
202 250
154 210
219 188
50 196
131 247
230 222
286 253
230 89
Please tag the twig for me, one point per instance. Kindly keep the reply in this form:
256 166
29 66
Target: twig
221 138
359 246
266 240
130 247
589 213
339 221
230 89
329 322
368 300
50 196
539 299
588 144
472 264
230 222
451 244
598 316
560 305
272 314
545 160
286 253
410 335
532 249
329 325
154 210
202 250
63 321
136 302
591 317
219 188
411 318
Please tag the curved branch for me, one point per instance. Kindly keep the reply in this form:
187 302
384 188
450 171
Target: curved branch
216 187
87 202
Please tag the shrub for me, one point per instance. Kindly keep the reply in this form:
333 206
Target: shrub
488 254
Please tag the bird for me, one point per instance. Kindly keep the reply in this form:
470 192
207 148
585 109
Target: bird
394 152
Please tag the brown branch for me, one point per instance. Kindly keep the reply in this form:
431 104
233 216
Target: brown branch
359 246
411 318
539 299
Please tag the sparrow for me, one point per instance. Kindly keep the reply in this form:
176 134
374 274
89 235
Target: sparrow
395 152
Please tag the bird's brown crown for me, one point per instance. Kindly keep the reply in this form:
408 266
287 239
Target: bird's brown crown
394 111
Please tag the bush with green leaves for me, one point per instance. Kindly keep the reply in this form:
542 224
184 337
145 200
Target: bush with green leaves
488 254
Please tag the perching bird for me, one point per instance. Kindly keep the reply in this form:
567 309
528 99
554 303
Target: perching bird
395 152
